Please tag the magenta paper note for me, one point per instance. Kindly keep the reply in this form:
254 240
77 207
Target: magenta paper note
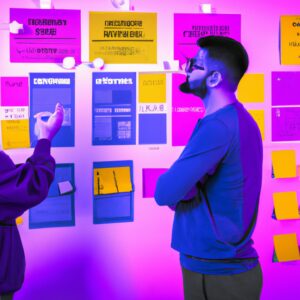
188 28
14 91
285 124
285 88
49 35
150 177
187 109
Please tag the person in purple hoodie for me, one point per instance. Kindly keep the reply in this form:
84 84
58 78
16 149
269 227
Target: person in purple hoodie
215 184
23 186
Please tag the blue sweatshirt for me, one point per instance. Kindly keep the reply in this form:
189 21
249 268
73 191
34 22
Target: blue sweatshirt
223 161
21 187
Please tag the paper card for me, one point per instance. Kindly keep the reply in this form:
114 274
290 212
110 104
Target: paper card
285 89
152 88
251 88
56 210
290 40
15 134
259 117
284 163
49 35
188 28
65 187
286 205
152 129
150 177
118 206
14 91
46 89
186 111
112 180
123 37
53 212
113 208
286 247
114 108
285 124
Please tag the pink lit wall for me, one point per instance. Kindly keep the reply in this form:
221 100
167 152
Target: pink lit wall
134 261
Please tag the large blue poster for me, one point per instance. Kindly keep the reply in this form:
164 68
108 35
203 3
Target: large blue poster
58 209
109 205
46 89
114 108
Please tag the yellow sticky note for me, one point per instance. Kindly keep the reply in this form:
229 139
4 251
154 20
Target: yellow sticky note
286 247
123 37
123 179
19 221
251 88
112 180
152 88
286 205
259 117
290 40
284 163
15 134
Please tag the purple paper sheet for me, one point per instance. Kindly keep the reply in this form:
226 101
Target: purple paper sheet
49 35
150 177
188 28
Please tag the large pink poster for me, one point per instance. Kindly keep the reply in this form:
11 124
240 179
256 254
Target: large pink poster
188 28
187 109
49 35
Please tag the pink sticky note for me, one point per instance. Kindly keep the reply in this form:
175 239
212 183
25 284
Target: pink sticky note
188 28
187 109
150 177
14 91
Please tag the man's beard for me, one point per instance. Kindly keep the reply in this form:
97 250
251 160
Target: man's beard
200 91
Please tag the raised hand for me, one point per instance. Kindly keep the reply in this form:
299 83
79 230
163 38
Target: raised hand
48 129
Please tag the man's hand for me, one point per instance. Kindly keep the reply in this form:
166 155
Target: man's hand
48 129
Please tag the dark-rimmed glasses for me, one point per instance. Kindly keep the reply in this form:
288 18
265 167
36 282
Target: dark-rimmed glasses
190 65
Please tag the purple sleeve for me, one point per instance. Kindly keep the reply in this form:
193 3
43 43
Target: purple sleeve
25 185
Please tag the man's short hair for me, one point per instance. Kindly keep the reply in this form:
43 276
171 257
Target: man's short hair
230 53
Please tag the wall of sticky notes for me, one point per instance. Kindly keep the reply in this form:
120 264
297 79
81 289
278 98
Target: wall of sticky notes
99 234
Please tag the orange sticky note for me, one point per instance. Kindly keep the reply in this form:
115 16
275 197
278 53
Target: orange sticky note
286 247
251 88
112 180
259 117
152 88
289 40
286 205
284 163
15 134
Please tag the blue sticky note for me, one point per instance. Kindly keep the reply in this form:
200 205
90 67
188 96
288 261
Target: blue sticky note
152 129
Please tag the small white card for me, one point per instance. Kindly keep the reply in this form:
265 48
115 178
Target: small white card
65 187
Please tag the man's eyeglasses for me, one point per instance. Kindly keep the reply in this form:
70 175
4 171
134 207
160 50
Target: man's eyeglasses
190 65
